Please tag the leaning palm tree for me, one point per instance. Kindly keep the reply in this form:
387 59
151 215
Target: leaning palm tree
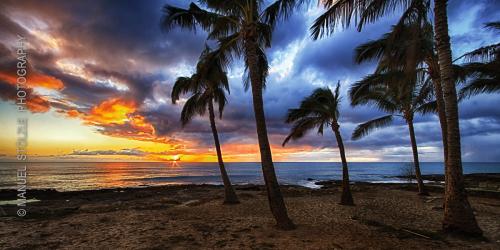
243 28
389 93
319 110
482 67
208 85
458 215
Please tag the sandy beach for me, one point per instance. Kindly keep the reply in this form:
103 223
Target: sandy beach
386 216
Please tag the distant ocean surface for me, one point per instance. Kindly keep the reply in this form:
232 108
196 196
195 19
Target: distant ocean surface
83 176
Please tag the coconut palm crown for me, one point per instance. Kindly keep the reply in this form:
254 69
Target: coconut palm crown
207 85
318 110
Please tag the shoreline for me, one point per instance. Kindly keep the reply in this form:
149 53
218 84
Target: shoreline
169 216
476 181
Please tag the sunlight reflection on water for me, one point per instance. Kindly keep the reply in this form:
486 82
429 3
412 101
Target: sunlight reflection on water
80 176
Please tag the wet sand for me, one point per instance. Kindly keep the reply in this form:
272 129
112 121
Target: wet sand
386 216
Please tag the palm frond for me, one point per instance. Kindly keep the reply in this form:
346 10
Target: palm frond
319 109
480 85
423 93
301 126
493 25
208 84
279 10
219 97
373 89
227 7
376 9
414 14
181 86
223 27
426 108
190 109
463 72
187 18
338 12
372 50
336 96
483 54
265 34
365 128
229 47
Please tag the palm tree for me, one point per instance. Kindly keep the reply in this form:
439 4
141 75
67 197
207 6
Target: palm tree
206 86
483 67
243 28
319 110
387 91
412 46
458 215
409 48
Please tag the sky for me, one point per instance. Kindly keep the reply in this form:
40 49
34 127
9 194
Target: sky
101 72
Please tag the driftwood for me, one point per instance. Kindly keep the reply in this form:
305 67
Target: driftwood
415 233
431 199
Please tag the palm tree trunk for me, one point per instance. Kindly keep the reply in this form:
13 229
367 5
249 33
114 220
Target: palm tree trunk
229 194
458 215
438 90
276 202
346 198
418 175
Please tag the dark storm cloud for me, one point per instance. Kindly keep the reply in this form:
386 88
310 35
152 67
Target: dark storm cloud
333 57
164 119
8 27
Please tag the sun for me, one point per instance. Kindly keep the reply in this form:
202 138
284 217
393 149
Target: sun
176 158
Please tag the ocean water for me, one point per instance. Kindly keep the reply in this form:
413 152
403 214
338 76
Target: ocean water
83 176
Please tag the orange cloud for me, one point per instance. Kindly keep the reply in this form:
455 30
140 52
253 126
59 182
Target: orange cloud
46 81
140 123
34 80
38 104
73 113
114 111
119 118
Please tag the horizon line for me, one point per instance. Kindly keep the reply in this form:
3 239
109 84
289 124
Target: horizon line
237 162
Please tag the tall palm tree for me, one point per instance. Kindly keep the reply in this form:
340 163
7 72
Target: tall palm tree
483 68
387 91
319 110
208 85
458 215
243 28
